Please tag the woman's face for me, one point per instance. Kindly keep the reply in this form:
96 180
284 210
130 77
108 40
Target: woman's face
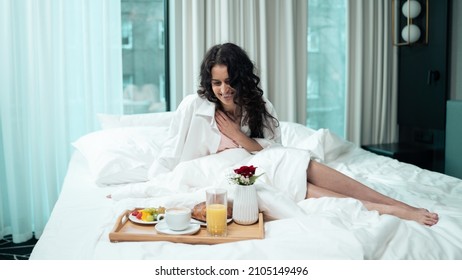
221 87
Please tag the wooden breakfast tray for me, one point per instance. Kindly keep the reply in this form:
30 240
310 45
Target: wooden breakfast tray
126 230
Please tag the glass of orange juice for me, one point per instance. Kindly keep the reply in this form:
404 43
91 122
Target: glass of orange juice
216 205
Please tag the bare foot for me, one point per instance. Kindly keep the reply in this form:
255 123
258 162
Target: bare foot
420 215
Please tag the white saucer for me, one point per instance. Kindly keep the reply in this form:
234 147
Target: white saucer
163 228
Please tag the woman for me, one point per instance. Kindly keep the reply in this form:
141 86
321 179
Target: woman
230 111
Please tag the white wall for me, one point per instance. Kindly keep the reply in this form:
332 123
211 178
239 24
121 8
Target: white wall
455 55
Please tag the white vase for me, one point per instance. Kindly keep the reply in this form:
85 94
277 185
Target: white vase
245 205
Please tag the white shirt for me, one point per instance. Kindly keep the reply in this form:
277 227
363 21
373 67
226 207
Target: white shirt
193 133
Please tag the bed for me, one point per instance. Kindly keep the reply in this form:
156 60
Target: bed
115 160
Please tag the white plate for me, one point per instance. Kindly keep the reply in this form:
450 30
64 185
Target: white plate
163 228
194 221
136 220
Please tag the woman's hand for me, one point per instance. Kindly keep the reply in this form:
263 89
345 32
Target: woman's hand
227 125
232 129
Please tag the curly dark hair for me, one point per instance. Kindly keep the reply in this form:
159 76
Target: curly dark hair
248 94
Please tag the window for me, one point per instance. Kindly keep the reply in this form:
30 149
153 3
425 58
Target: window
144 56
326 81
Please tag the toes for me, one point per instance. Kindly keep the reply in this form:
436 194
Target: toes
429 221
429 218
434 216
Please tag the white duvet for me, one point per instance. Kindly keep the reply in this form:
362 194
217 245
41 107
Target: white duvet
295 228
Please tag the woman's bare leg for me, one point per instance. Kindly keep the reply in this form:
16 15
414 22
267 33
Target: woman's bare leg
328 178
325 181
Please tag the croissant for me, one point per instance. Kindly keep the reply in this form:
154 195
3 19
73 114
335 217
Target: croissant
199 212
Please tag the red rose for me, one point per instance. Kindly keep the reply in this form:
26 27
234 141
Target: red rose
246 171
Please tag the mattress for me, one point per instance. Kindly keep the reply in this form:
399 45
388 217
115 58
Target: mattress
307 229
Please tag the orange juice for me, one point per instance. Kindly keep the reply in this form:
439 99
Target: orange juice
216 219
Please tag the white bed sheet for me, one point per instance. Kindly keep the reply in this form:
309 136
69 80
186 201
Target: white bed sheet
328 228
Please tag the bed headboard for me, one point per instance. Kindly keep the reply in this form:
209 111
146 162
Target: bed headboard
453 157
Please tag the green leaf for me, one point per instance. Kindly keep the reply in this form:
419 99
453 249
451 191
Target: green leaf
254 178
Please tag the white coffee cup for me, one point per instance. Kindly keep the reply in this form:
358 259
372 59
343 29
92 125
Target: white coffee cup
177 218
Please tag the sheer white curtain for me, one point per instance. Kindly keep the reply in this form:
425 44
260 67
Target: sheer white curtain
372 74
61 64
273 33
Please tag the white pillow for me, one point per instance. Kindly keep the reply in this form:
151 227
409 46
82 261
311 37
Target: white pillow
299 136
322 144
152 119
292 133
121 155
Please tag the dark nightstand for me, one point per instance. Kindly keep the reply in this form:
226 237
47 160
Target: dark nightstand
405 152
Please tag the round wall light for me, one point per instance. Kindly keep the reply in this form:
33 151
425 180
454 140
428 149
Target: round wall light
411 9
410 33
